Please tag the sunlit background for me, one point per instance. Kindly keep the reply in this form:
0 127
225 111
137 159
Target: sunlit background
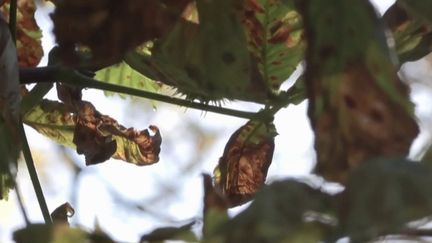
127 201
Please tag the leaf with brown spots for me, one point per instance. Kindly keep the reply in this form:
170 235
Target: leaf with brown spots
28 33
413 38
358 107
109 28
274 30
242 170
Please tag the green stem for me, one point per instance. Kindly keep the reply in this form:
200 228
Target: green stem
34 177
13 18
72 77
21 204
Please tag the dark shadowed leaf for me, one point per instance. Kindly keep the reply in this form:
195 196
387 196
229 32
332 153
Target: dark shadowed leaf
242 169
110 28
353 88
209 60
413 38
62 213
274 30
383 195
182 233
57 233
9 110
421 9
56 121
285 211
122 74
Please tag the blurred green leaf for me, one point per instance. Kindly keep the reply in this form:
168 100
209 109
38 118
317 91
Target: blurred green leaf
54 120
9 110
383 195
280 213
421 9
182 233
122 74
42 233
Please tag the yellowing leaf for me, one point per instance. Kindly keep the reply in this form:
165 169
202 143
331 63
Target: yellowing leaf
58 122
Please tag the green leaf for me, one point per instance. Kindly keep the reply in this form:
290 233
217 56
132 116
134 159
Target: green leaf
9 110
122 74
353 88
274 31
383 195
182 233
413 38
54 120
278 214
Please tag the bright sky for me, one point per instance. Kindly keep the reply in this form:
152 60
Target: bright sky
170 188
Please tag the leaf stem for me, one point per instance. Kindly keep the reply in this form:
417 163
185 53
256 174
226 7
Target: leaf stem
34 177
21 204
73 77
13 18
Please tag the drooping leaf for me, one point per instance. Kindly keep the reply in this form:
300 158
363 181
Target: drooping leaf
383 195
58 122
274 30
122 74
285 211
413 38
110 28
182 233
9 111
353 89
28 33
61 214
242 170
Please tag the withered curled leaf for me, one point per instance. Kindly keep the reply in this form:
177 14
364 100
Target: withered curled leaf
62 213
242 169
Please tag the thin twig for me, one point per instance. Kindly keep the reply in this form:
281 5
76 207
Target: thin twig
34 177
21 204
73 77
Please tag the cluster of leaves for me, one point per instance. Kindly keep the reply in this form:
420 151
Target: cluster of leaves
212 50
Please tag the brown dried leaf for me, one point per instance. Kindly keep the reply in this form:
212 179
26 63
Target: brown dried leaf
245 162
62 213
28 33
109 27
